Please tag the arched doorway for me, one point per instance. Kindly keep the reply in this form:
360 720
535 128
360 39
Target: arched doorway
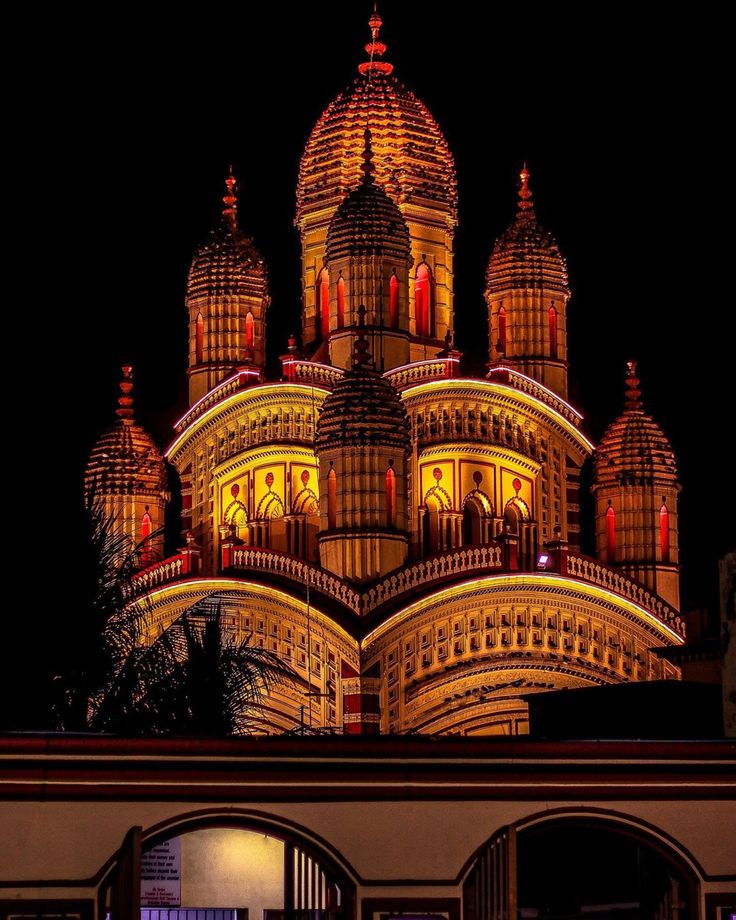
580 867
226 867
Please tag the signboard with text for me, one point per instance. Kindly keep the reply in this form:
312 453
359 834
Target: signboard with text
161 875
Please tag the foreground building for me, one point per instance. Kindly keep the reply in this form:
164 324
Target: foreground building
407 537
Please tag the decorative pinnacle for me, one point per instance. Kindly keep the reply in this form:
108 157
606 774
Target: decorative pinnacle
375 48
230 200
361 355
633 403
526 205
125 400
368 167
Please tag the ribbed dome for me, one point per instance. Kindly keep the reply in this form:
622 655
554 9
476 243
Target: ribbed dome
227 265
634 450
413 161
125 459
363 409
526 255
368 221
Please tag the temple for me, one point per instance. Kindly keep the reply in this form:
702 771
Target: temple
406 536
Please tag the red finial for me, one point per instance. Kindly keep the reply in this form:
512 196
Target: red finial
361 355
526 205
368 167
125 400
375 48
633 403
230 200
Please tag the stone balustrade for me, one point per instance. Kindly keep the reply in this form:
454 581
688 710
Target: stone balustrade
527 385
410 375
297 370
161 573
590 570
468 559
241 380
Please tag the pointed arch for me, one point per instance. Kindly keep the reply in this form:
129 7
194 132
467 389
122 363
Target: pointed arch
664 531
249 330
431 524
331 500
610 534
340 302
477 516
424 301
199 339
393 302
146 530
552 322
323 304
390 498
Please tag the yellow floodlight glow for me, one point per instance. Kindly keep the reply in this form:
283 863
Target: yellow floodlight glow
523 580
281 389
236 586
458 383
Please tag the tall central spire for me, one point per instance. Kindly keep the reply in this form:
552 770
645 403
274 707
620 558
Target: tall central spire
230 200
526 205
375 48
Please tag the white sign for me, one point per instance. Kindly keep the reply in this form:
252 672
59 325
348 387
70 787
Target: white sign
161 875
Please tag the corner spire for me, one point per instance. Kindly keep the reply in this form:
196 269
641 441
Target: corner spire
230 200
633 402
125 401
375 48
526 205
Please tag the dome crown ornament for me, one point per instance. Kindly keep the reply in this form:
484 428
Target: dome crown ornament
375 49
634 450
125 458
526 256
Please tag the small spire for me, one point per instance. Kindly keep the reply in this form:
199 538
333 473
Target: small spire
230 200
125 400
368 167
526 205
375 48
361 354
633 402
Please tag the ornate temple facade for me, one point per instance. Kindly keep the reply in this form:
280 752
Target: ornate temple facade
404 535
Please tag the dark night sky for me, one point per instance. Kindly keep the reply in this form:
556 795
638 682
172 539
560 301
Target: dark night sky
132 133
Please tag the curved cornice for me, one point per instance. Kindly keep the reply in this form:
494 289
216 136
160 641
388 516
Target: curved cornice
263 396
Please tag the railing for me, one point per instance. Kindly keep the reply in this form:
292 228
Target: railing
160 573
241 380
527 385
596 573
267 560
421 371
297 370
457 562
467 559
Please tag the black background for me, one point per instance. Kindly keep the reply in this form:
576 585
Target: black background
129 119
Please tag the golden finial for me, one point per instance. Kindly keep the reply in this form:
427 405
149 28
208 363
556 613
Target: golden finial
230 200
125 400
526 205
633 402
375 48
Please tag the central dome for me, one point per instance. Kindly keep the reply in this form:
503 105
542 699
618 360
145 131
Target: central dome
363 410
413 162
